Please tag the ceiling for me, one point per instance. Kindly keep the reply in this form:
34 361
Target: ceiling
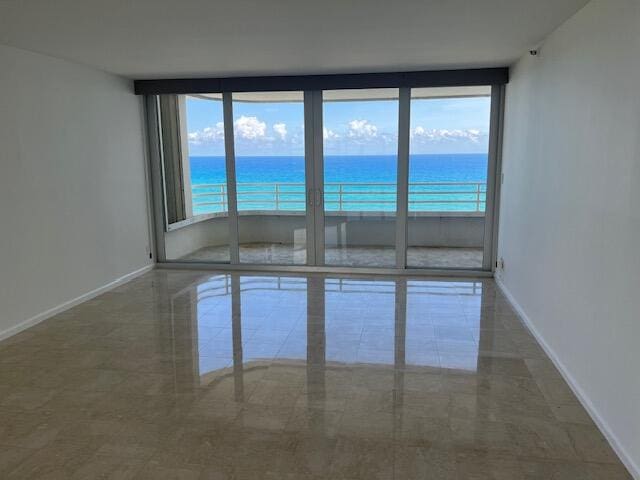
171 38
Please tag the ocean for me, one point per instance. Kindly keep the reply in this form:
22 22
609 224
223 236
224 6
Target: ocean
468 170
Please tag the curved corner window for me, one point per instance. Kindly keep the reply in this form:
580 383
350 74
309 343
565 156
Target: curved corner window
195 178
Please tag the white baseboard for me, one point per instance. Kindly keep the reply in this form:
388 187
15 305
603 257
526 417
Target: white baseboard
577 390
30 322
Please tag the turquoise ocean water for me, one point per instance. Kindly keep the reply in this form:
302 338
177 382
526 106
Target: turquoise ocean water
353 172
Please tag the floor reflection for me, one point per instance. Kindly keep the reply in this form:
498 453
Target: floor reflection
245 322
183 374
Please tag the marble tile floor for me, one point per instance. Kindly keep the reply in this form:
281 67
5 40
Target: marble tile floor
360 256
198 375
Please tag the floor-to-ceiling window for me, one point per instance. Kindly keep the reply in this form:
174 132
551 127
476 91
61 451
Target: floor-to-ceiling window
270 177
360 137
358 177
194 168
448 164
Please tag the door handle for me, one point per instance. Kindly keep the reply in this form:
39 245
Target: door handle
310 197
318 197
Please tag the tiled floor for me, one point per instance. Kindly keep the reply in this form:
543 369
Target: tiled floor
360 256
193 375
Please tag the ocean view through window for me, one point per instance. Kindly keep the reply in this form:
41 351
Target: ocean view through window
322 177
454 177
270 123
360 176
459 181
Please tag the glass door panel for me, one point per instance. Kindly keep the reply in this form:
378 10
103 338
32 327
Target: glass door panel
270 177
197 166
360 144
448 163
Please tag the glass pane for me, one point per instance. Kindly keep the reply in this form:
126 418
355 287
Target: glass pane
205 236
270 176
360 134
448 176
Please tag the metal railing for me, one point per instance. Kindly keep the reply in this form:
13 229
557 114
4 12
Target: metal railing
343 196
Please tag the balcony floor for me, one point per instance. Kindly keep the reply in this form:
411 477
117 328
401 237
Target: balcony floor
362 256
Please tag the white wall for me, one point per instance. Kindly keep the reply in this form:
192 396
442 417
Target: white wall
73 213
424 230
570 211
188 239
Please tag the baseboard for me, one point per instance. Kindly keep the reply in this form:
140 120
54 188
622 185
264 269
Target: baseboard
625 458
30 322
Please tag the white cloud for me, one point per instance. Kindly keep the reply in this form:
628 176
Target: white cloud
362 129
359 136
281 130
444 135
250 128
207 135
328 134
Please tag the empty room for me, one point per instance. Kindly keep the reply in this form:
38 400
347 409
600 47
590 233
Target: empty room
291 240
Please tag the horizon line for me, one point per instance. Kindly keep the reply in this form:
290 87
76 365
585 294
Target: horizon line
344 155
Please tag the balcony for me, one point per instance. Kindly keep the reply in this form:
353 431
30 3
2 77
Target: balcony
446 224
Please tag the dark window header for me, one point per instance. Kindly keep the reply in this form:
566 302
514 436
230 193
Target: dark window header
429 78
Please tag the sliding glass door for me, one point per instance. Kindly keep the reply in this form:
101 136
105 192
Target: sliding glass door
378 178
270 177
360 166
448 167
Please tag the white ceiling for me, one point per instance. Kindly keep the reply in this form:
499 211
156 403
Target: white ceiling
178 38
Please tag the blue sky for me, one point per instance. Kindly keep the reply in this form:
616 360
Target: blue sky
350 128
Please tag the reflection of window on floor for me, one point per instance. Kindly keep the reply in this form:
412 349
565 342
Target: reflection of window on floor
427 323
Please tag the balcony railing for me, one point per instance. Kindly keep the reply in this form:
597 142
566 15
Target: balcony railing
343 197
